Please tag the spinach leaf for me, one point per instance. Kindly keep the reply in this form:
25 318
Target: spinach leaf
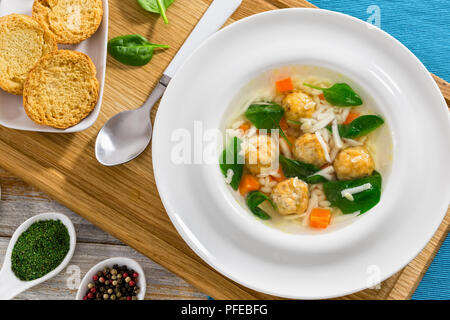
340 95
156 6
254 199
301 170
360 126
315 179
266 116
297 123
133 49
363 201
230 159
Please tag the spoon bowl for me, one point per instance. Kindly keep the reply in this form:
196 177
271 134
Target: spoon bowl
130 263
10 285
124 137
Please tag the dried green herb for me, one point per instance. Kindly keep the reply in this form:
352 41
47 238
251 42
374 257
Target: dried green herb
40 249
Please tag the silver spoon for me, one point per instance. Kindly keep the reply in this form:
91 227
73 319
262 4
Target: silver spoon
126 135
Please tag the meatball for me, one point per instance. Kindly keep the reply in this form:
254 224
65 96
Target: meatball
298 105
260 154
307 148
353 163
291 196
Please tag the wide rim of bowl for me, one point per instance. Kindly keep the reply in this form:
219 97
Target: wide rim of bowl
190 238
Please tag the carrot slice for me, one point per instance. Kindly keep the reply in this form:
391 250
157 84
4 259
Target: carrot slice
321 96
284 85
320 218
281 176
248 183
351 116
245 126
283 124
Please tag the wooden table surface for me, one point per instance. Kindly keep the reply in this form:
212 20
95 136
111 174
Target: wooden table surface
20 201
123 200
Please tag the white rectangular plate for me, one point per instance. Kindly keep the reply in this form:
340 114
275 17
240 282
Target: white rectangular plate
12 113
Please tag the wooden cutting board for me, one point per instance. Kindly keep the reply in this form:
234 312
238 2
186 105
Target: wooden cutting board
124 200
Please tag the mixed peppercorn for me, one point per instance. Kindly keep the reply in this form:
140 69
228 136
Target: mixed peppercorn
116 283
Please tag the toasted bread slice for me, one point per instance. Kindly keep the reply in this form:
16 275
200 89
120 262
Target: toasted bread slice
70 21
23 41
61 89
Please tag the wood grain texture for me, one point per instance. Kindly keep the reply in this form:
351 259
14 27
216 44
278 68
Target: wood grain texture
123 200
161 284
20 201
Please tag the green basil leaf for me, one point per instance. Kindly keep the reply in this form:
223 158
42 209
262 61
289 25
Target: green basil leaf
254 199
266 116
156 6
133 49
303 171
340 95
363 201
230 159
361 126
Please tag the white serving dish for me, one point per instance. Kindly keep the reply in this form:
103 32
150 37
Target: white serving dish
12 113
10 285
130 263
329 264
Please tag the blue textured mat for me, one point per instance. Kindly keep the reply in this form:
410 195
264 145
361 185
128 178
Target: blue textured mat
436 282
424 27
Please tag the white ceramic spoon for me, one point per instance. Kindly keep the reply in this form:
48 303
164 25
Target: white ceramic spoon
10 285
130 263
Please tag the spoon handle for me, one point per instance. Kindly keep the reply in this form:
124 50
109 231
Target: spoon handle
156 94
9 285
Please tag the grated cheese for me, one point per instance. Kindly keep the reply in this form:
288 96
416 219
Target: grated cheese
285 148
326 173
348 193
337 138
229 177
352 142
324 146
345 217
322 123
348 196
345 114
